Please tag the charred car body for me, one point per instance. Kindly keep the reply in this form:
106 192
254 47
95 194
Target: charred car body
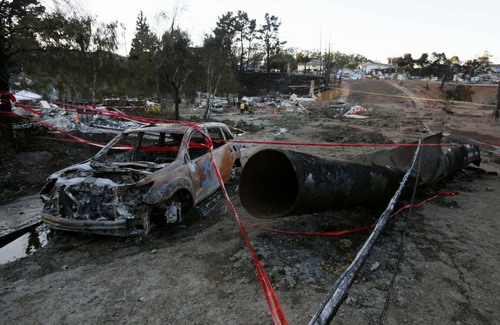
142 175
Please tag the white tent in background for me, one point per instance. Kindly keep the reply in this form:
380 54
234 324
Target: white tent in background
26 95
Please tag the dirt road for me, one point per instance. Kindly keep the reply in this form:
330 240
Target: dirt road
203 273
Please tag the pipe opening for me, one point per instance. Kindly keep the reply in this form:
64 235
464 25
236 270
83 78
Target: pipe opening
268 184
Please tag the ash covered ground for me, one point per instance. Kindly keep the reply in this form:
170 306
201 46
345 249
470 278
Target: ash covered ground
202 272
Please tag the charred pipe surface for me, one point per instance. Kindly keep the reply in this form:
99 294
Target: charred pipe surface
459 157
277 183
434 165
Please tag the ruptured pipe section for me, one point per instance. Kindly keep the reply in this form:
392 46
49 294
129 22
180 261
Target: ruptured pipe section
277 183
459 157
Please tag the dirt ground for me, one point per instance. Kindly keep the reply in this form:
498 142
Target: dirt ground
202 272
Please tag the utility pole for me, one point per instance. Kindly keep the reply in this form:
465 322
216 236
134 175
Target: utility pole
320 56
340 76
497 110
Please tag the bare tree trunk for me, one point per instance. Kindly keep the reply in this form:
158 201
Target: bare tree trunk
242 52
94 81
207 106
177 99
443 81
209 90
7 141
268 62
248 54
335 69
94 75
497 110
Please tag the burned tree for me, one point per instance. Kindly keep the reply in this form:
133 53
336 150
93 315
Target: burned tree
268 34
304 58
19 28
141 59
473 68
216 59
213 63
174 60
96 42
245 29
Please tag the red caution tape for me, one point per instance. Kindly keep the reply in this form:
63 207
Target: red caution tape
69 140
191 145
29 109
51 108
129 147
159 148
271 297
78 139
94 111
343 232
346 144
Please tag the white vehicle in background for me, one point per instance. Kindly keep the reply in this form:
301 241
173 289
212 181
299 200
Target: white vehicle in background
217 108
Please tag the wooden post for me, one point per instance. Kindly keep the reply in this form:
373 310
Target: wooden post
340 76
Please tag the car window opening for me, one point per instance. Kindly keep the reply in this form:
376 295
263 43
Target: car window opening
159 148
197 145
216 136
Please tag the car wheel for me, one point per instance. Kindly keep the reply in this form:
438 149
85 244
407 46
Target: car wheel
173 212
235 176
166 213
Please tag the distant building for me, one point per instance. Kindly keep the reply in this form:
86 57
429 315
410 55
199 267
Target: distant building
495 68
375 68
253 66
313 66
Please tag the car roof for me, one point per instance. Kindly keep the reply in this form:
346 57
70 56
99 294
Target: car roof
178 128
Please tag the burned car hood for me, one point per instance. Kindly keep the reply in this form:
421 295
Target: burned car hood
96 191
114 174
98 177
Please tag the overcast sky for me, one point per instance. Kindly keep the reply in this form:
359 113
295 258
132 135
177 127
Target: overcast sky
375 29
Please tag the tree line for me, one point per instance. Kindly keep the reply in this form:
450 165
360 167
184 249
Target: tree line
73 55
439 65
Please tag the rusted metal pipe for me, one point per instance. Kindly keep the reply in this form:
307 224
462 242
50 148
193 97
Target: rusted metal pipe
459 157
277 183
434 164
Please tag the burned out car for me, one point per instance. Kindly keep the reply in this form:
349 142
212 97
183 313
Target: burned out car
143 176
